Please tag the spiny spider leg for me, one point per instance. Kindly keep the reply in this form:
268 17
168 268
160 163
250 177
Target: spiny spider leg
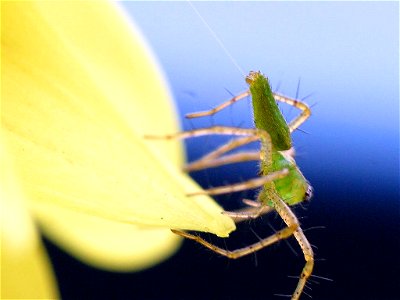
287 215
242 186
224 160
212 159
219 107
293 125
247 213
305 110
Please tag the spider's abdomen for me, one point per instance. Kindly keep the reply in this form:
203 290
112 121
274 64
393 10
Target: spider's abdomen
293 188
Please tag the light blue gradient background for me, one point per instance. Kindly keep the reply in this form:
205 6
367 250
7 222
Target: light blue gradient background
346 54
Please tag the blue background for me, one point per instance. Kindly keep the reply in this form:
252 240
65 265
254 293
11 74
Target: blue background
347 57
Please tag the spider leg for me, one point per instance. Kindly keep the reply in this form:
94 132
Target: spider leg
242 186
234 254
219 107
305 110
291 220
251 212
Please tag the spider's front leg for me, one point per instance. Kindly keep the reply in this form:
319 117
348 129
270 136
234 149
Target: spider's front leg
219 107
216 158
305 110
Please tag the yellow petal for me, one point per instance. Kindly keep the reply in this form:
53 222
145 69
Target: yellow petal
77 98
25 269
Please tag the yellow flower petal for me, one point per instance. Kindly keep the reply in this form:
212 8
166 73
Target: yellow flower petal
25 269
79 92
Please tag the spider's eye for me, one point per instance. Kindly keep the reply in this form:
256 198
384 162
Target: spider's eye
309 193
